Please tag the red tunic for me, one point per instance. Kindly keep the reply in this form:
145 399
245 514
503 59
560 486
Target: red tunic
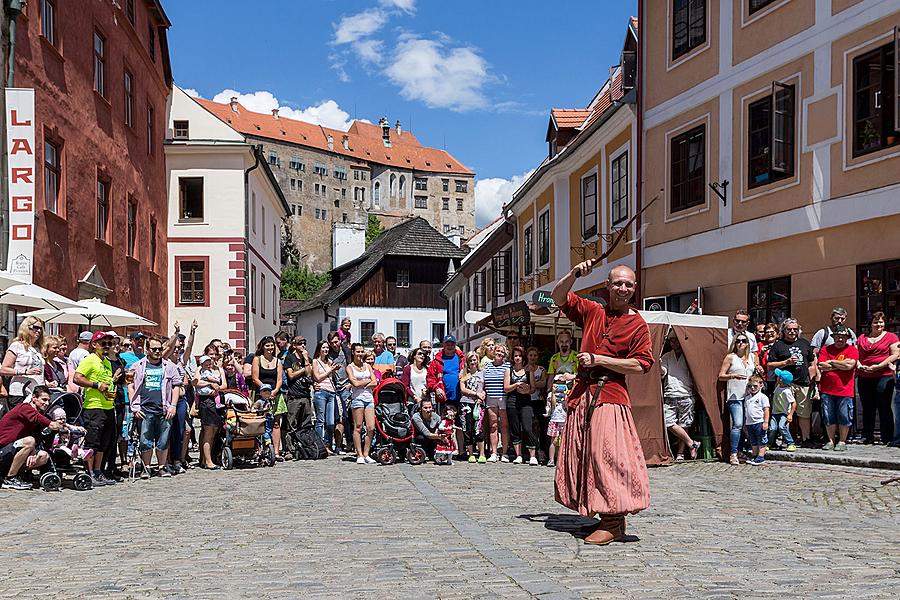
602 470
619 335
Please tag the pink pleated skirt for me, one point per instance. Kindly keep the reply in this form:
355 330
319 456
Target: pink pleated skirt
611 479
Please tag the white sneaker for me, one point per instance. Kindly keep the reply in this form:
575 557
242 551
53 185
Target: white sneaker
493 458
534 461
504 458
518 460
360 461
370 461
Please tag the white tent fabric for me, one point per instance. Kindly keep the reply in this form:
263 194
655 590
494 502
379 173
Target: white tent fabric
93 313
34 296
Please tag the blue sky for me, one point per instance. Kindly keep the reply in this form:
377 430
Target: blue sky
477 77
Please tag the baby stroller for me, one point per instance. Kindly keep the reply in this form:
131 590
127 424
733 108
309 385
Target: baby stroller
244 433
393 425
63 447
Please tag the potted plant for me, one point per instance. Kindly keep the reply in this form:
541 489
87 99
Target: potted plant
869 135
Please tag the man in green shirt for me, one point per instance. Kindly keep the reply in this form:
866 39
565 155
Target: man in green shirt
95 375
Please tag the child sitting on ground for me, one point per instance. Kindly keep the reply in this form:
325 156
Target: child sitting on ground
264 404
783 406
756 419
446 448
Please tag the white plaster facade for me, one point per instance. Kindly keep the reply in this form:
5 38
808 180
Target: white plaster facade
235 236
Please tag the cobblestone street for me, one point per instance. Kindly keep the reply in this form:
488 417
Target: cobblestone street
329 529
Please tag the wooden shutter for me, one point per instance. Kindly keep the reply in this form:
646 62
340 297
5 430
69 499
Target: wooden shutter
782 128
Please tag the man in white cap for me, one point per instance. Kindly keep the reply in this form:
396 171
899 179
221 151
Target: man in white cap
77 353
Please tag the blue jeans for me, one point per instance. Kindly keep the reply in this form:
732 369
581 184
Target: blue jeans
324 402
837 410
736 408
778 422
155 432
896 407
176 434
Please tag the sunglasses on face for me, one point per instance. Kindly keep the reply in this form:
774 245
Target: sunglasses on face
105 344
741 321
154 349
743 341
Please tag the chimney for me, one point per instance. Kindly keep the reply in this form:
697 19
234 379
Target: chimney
234 104
275 112
385 131
345 141
330 142
399 129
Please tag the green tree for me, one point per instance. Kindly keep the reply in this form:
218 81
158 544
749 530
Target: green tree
301 282
373 229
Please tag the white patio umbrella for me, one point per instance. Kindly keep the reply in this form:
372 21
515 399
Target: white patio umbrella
92 312
7 281
34 296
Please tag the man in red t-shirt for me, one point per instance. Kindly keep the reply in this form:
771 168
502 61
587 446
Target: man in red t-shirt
837 364
18 429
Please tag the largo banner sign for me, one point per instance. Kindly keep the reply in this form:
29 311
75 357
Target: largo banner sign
20 158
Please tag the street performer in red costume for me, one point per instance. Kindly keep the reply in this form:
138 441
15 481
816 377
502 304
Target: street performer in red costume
601 468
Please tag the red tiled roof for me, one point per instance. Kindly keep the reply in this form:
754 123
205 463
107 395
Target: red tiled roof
610 92
364 140
569 117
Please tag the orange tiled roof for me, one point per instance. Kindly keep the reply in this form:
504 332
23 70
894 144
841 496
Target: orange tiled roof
364 140
569 117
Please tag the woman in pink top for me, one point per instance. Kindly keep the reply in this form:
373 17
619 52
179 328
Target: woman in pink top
878 351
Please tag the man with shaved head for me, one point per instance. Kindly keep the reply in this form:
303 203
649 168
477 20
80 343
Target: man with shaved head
601 468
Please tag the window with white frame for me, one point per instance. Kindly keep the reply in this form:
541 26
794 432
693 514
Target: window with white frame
589 206
618 174
544 238
402 278
402 331
528 248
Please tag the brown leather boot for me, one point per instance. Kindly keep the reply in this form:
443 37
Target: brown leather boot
612 528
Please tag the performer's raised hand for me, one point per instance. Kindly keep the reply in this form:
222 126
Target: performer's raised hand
583 268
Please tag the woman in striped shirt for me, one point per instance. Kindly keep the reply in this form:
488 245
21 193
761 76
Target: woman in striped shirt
494 374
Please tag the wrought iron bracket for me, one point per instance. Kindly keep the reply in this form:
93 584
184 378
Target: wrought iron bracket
715 186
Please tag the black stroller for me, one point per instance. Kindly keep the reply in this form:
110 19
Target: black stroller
393 425
64 454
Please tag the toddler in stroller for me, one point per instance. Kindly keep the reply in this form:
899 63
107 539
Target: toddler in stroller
245 432
393 424
66 457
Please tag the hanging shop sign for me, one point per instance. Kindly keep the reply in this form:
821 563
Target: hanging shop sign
21 173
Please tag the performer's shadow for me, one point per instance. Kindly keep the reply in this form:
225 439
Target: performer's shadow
575 525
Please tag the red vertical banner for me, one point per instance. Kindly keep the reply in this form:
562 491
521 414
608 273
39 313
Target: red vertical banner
21 164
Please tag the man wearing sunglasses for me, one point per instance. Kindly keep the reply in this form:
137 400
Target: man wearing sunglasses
739 325
95 375
154 397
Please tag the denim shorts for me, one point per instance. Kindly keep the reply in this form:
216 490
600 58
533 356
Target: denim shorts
155 432
756 435
362 403
837 410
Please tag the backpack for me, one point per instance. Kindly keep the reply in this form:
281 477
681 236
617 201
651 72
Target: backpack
309 445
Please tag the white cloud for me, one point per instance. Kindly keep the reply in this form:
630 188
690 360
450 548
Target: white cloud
191 92
492 193
440 77
369 51
327 113
407 6
355 27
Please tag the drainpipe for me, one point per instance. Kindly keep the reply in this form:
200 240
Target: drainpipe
13 8
257 152
638 246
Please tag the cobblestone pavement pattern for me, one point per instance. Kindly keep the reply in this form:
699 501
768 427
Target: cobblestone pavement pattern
329 529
